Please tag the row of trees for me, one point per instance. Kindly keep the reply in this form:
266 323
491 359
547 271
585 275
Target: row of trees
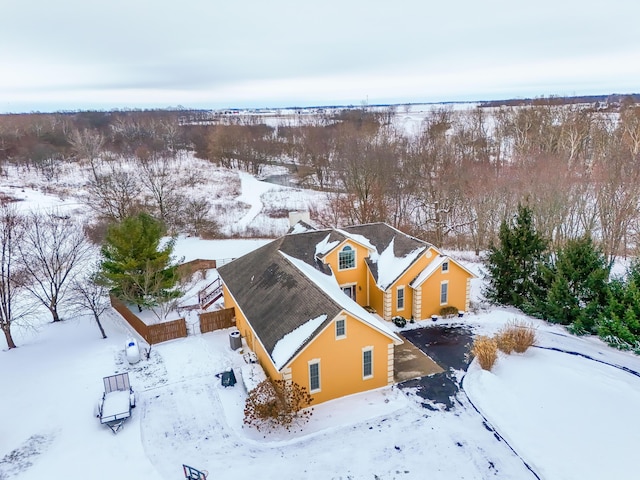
569 285
451 180
456 177
46 260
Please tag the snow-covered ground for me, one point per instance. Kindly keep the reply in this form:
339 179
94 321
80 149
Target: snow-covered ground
566 416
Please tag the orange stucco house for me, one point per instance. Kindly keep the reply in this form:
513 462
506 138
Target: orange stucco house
314 304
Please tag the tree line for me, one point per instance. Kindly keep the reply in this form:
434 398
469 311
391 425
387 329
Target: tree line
458 179
451 180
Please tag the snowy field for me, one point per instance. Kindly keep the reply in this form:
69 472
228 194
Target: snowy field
565 416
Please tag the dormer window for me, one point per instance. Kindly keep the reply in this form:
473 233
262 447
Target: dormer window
445 266
346 258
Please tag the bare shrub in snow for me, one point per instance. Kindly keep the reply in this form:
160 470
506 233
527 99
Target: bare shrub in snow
505 340
485 349
516 336
274 404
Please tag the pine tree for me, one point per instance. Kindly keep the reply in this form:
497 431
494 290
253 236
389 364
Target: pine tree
619 323
134 266
578 290
514 266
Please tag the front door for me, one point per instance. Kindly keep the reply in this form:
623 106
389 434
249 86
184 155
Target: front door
350 291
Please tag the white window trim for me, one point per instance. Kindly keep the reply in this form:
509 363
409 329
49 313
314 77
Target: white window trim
341 337
315 361
367 349
355 258
404 298
446 262
446 302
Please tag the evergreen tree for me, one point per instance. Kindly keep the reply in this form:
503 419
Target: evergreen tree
619 323
134 266
514 266
579 283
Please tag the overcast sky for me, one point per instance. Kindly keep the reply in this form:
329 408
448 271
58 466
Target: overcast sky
103 54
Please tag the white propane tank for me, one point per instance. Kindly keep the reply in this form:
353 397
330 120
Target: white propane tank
132 351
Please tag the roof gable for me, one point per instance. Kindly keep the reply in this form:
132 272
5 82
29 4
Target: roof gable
393 251
435 264
329 285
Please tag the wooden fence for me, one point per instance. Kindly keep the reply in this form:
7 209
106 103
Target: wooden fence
210 321
160 332
193 266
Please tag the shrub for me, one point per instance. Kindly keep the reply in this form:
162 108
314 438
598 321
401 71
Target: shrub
277 403
485 349
505 340
524 335
516 336
448 312
399 321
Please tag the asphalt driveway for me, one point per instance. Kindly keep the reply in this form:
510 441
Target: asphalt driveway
448 346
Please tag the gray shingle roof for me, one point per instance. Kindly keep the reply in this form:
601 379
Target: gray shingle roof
277 298
380 235
274 295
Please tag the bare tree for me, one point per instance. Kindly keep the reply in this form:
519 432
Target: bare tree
90 293
316 148
87 145
153 285
159 179
196 218
13 280
114 194
53 249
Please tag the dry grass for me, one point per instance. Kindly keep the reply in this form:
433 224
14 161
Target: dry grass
485 349
505 340
516 336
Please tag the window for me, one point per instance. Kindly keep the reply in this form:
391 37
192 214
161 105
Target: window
346 258
367 362
341 328
314 376
445 266
400 302
444 293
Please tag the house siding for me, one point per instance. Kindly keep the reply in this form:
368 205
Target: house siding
357 275
458 290
341 360
405 279
375 294
250 337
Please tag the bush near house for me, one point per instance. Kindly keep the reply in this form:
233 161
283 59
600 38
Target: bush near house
277 403
449 312
513 266
399 321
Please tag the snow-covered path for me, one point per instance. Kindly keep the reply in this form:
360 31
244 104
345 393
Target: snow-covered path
252 190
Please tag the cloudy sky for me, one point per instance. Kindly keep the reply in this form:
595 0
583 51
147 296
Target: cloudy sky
103 54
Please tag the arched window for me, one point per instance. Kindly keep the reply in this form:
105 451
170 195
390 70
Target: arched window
346 258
